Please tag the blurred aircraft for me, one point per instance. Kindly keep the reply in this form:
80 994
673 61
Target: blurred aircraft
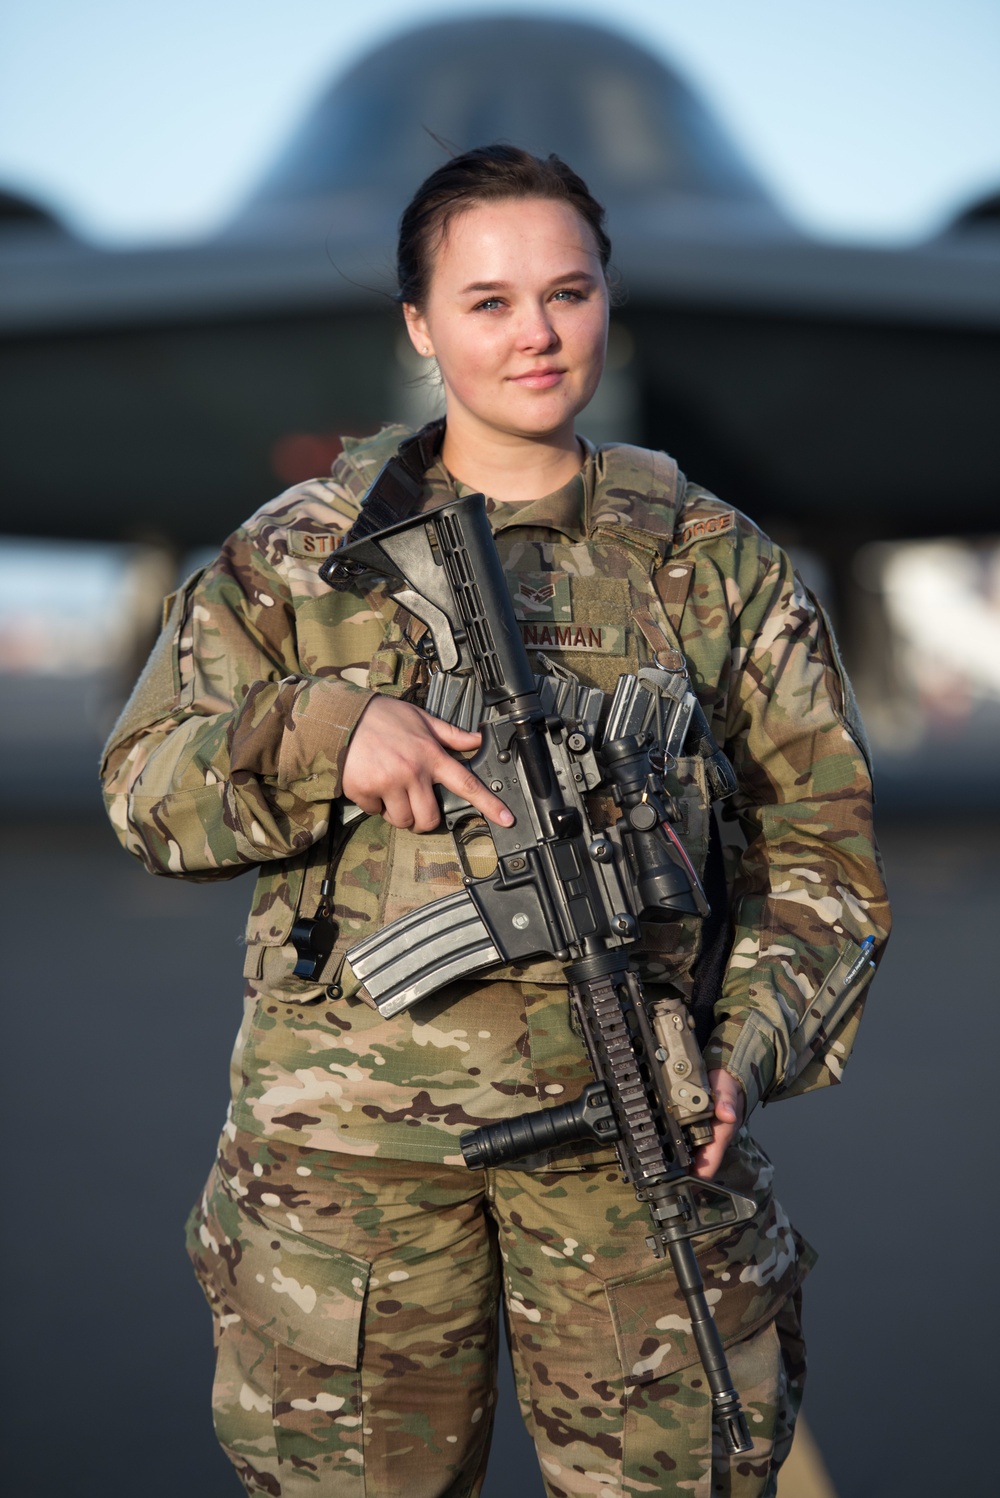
839 394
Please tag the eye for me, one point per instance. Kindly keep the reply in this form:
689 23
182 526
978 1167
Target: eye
569 294
488 304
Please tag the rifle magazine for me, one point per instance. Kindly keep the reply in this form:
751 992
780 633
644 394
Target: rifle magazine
422 951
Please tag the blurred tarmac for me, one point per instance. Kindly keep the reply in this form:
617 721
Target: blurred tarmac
123 998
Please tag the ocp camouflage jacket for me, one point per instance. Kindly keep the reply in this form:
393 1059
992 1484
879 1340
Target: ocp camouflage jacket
231 749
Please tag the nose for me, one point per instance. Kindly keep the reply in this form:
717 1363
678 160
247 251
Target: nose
536 333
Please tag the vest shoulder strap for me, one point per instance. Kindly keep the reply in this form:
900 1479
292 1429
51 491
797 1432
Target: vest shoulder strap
637 496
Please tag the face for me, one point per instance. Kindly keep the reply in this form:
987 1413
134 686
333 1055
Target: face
517 316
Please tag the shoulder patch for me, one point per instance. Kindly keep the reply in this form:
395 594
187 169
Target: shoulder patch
705 519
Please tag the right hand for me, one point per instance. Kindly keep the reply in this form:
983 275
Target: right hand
730 1108
396 756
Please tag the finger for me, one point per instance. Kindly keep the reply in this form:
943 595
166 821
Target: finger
450 736
729 1096
397 810
424 807
706 1161
452 774
709 1157
371 805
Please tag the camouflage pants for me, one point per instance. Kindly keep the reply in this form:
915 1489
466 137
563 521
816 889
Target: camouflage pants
357 1351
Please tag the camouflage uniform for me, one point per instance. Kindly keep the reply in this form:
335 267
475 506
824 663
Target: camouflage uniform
352 1261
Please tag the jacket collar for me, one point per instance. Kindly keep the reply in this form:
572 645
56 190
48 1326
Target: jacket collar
565 510
628 495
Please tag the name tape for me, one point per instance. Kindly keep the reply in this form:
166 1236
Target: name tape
312 544
608 638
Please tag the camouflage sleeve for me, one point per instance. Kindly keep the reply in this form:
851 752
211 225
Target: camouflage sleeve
228 753
810 889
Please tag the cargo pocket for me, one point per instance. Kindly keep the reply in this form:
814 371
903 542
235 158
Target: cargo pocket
295 1291
675 1416
284 895
666 1390
749 1271
286 1399
276 903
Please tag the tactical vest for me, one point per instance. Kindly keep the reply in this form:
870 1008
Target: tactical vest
599 607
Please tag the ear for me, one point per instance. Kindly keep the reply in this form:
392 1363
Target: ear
416 326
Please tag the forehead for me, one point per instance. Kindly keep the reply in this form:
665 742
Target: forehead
516 236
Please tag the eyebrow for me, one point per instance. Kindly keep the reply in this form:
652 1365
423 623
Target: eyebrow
573 275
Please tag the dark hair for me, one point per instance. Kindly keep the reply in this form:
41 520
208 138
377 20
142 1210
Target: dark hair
487 174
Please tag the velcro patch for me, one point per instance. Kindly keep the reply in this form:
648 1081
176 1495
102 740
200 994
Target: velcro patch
609 639
312 543
709 525
541 595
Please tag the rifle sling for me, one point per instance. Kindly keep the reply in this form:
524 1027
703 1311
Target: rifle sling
709 970
398 488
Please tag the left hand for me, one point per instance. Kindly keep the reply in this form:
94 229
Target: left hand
730 1105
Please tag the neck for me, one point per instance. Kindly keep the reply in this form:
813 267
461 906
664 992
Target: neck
511 469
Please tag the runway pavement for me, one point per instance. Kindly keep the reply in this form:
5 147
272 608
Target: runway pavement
122 998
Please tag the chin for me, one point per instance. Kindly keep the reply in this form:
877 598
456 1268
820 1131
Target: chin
535 431
538 419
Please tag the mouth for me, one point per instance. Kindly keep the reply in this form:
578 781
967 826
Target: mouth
538 379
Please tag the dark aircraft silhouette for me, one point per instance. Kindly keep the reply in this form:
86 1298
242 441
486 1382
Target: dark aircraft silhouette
838 394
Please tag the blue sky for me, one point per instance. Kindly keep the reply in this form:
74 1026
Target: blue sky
870 119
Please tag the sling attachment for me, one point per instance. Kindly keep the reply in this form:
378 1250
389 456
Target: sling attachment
314 937
395 495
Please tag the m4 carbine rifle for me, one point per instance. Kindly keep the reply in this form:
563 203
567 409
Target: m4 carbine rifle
562 888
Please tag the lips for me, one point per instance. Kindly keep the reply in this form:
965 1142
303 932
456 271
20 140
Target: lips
538 379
